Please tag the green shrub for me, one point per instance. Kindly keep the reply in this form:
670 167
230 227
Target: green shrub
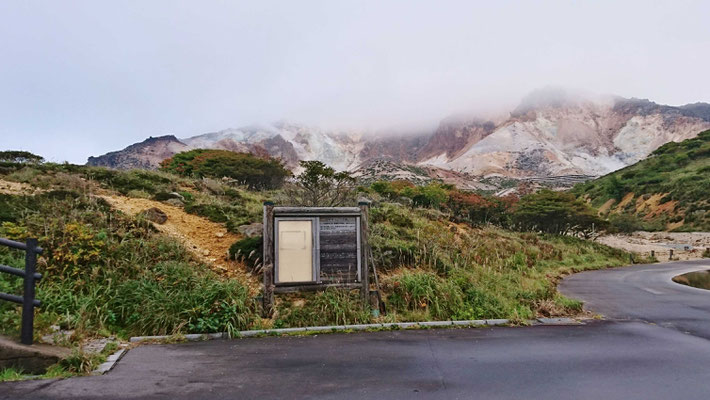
244 168
431 195
624 223
249 250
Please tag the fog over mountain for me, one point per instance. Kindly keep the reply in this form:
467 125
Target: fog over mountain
552 132
82 78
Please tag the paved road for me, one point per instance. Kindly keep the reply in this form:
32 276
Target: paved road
624 358
646 293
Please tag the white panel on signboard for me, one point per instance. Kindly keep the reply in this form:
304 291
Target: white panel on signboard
295 251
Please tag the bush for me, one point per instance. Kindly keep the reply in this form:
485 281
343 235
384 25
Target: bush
430 196
249 250
244 168
624 223
391 189
557 213
478 210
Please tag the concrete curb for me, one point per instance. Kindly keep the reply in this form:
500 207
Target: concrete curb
195 337
331 328
110 362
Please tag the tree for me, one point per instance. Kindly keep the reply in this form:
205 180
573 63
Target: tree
245 168
320 186
558 213
477 209
20 157
433 195
391 189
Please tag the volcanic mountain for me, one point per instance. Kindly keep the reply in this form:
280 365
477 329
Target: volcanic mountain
553 132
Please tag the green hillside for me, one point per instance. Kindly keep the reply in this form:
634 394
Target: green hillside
668 190
108 271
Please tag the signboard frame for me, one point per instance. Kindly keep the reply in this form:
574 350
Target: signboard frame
273 215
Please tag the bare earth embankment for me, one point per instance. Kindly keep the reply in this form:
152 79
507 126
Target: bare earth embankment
685 245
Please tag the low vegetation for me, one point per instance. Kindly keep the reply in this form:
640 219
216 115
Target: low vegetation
108 272
669 189
441 253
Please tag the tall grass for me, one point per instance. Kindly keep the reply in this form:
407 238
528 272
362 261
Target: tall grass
332 306
435 269
106 272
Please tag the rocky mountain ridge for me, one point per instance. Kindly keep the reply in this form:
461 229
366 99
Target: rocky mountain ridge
553 132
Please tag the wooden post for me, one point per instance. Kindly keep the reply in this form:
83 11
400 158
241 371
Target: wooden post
28 301
268 260
364 215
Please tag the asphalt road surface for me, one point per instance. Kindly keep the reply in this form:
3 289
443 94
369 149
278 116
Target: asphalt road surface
646 293
654 346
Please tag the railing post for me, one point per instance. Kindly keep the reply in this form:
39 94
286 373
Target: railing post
28 308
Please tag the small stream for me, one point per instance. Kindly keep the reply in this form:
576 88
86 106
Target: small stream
698 279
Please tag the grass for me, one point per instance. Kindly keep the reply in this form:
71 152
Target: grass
107 273
54 371
11 374
679 171
78 363
206 197
329 307
437 270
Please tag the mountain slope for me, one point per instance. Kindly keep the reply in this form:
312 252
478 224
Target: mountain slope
670 189
144 155
553 132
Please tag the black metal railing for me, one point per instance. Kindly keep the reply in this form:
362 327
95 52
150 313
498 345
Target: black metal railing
30 277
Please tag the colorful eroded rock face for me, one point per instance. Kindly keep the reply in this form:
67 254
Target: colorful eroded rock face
551 133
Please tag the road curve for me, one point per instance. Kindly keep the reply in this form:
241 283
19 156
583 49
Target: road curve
624 357
647 293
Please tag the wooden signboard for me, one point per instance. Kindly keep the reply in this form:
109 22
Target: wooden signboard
312 248
339 244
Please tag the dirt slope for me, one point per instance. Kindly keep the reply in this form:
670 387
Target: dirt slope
16 188
208 240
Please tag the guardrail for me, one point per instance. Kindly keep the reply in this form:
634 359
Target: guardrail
30 277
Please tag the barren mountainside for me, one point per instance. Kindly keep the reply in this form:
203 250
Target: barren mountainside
552 132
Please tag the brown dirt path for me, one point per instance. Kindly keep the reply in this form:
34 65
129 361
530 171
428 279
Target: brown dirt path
208 240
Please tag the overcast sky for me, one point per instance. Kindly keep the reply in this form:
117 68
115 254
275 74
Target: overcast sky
80 78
